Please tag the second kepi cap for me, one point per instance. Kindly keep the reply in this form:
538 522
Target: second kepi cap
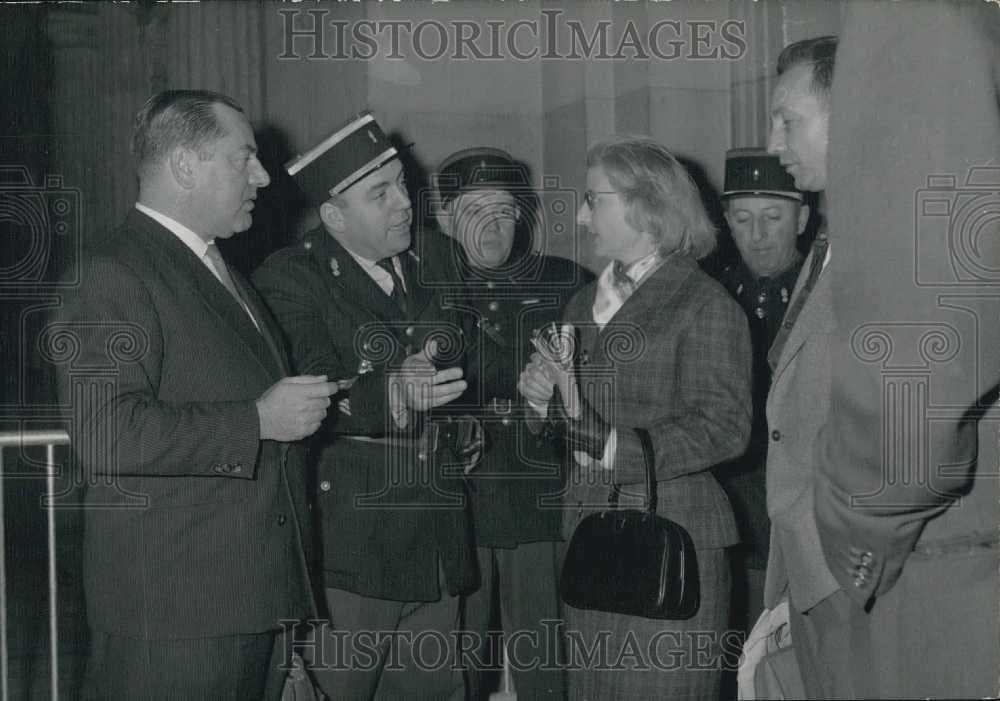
349 154
480 168
753 171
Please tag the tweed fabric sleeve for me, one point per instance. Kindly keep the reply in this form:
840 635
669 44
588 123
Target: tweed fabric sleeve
713 377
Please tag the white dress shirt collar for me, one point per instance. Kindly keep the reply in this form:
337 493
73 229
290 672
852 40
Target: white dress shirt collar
192 240
377 273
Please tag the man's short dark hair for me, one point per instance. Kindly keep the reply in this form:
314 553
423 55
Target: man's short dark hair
819 53
175 118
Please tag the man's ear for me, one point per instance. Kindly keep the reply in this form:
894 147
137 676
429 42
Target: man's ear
332 216
804 211
184 167
444 215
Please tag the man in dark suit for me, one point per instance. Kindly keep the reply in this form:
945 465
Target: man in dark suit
195 504
396 538
907 504
486 204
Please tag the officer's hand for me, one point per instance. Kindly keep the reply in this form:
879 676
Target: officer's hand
293 408
422 386
536 384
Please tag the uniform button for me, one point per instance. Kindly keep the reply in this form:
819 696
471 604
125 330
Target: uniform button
281 520
496 328
307 245
325 485
490 285
409 331
493 306
775 435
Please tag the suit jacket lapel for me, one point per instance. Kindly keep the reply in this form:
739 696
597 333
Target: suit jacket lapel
268 327
816 316
191 271
651 298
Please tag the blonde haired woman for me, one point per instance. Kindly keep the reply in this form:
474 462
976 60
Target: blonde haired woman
659 346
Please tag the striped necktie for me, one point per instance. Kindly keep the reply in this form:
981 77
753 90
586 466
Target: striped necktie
219 264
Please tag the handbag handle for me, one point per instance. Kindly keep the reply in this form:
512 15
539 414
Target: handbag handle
649 461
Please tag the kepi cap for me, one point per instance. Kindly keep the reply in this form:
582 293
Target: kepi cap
753 171
355 150
479 168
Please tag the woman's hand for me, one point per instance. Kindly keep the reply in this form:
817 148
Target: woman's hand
554 362
536 385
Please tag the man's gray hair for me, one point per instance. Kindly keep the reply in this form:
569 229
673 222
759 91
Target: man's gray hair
175 118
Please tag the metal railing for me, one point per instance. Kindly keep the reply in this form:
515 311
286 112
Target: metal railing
32 439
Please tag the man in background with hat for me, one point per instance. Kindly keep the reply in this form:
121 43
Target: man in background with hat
766 218
485 203
395 537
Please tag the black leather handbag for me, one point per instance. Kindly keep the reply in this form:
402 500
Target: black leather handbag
632 561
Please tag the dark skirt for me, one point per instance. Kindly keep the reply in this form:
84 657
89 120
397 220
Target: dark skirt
612 656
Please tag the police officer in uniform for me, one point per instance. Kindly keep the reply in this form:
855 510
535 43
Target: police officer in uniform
766 216
485 204
396 539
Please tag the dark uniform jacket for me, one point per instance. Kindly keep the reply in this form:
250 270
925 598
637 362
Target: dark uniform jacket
387 514
517 469
764 300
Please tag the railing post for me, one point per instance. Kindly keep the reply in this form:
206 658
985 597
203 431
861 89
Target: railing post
29 439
